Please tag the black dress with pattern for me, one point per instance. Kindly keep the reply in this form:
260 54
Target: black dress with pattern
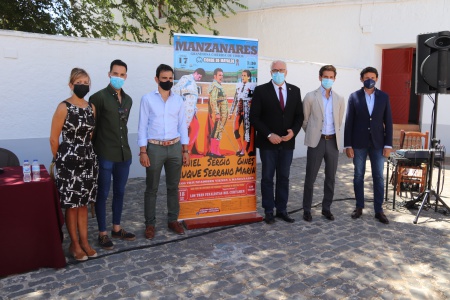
76 162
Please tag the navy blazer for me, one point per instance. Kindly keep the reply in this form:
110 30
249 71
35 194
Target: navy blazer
360 127
267 117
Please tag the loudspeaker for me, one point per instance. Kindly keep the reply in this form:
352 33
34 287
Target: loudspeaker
431 76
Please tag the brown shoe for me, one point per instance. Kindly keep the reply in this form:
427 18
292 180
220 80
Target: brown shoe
176 227
357 213
89 251
149 232
382 218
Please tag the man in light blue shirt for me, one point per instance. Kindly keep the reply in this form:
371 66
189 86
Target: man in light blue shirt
368 132
163 140
323 110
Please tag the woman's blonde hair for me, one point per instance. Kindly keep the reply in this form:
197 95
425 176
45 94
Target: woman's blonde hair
77 73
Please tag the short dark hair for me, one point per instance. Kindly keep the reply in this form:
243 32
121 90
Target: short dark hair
163 68
118 62
327 68
200 71
249 74
369 70
217 71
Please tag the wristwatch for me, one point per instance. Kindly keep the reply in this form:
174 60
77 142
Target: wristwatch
269 135
186 151
142 153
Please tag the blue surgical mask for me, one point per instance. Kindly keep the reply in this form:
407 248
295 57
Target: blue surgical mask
369 83
117 82
327 83
278 78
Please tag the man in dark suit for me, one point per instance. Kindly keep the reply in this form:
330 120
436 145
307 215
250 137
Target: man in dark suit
368 131
276 113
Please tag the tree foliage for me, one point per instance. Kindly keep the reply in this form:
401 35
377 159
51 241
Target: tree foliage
138 20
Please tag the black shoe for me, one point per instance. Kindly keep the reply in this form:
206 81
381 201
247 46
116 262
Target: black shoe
357 213
122 234
252 153
307 216
213 155
328 215
269 219
240 153
285 217
105 242
382 218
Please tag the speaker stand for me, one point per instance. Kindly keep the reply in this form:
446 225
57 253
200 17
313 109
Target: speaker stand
426 197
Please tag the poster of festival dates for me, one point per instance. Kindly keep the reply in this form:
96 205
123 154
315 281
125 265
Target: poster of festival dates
215 185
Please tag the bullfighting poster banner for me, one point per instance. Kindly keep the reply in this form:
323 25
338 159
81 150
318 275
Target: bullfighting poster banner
216 77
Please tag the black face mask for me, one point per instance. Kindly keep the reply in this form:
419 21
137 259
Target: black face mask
80 90
369 83
166 85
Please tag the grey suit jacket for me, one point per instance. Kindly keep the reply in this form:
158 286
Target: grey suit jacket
313 111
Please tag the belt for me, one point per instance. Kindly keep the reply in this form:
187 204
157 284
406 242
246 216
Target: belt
328 137
164 143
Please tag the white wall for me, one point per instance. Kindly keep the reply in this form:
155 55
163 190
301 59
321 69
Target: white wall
34 79
307 34
35 74
349 34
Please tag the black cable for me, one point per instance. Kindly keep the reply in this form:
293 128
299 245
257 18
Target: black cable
75 262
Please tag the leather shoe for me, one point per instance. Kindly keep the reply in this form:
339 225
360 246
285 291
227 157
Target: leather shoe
382 218
269 219
328 215
357 213
176 227
285 216
213 155
307 216
240 153
149 232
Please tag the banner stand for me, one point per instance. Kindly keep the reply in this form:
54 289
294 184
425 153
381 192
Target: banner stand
250 217
216 77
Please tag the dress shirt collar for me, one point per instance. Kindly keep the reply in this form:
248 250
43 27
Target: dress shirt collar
277 87
170 93
323 91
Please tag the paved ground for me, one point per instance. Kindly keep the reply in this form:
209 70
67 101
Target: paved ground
351 259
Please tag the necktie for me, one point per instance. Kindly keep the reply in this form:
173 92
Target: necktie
281 98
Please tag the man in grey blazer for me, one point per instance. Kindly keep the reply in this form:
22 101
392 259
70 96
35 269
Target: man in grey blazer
323 110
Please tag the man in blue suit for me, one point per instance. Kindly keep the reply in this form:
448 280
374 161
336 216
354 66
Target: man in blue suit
276 113
368 131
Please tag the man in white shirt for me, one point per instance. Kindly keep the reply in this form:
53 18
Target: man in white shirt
163 140
323 109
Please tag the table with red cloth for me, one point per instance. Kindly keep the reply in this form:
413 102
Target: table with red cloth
30 223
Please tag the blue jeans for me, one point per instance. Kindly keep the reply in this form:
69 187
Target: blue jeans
377 163
275 162
119 172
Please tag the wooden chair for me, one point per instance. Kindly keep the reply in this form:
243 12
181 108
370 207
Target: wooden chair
410 174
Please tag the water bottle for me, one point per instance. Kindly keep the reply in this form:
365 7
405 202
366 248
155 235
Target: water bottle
26 171
36 169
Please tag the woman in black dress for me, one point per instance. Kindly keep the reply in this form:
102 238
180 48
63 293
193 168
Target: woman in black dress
76 162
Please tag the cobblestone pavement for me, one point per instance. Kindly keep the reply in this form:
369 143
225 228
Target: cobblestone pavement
345 258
